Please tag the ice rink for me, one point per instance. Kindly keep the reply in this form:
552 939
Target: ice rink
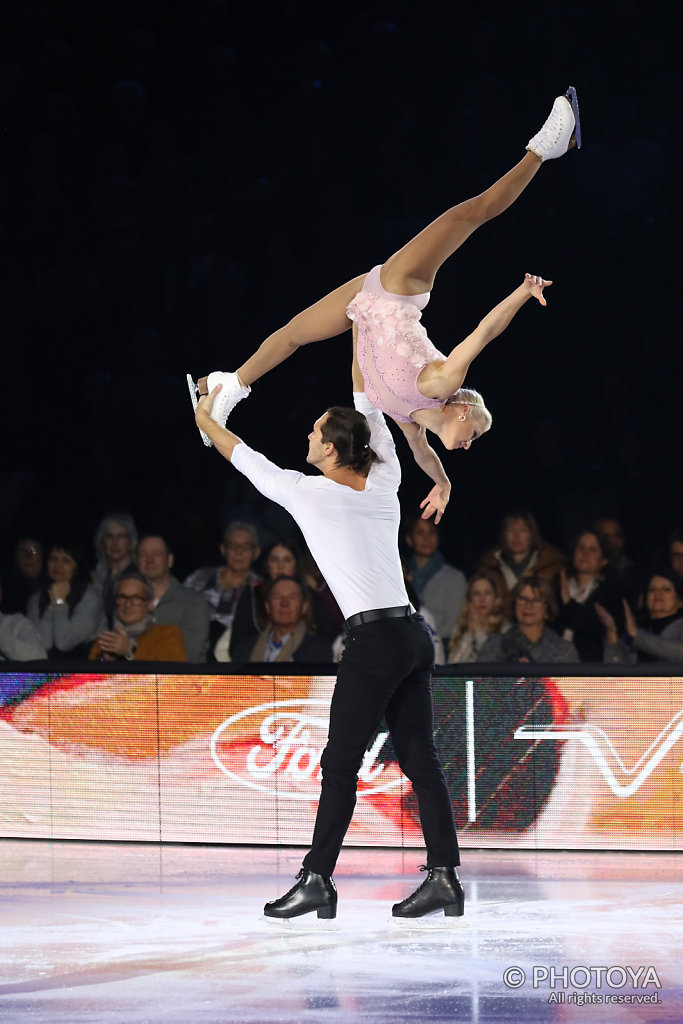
140 934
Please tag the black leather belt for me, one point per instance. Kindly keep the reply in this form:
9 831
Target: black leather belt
403 611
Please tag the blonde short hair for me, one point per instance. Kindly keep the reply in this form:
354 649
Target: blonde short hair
478 410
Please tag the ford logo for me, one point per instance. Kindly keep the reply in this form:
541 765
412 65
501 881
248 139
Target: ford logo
285 762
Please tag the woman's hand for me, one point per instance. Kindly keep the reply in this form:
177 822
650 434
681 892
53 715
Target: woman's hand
564 588
436 502
611 634
59 591
631 625
535 285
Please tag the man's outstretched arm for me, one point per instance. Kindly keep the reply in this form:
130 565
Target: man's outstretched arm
224 441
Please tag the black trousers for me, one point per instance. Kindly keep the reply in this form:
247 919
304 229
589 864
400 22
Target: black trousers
385 671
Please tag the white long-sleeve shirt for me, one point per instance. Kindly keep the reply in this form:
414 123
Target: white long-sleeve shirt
352 535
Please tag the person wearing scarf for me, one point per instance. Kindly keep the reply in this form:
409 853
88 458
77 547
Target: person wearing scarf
440 587
286 636
659 637
134 635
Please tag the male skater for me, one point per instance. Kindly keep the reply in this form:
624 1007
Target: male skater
350 519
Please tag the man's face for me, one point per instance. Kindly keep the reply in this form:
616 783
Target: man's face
285 605
676 556
239 550
425 538
317 448
132 601
612 536
154 560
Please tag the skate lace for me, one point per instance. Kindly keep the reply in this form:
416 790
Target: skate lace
424 867
552 128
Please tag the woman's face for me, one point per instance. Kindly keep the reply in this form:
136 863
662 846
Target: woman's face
29 557
239 551
61 568
588 556
116 543
458 432
517 537
530 609
661 598
482 598
280 562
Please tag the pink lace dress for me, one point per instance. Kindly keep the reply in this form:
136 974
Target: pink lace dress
392 348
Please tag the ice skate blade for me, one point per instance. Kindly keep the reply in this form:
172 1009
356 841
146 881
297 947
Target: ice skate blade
436 922
306 924
194 398
574 100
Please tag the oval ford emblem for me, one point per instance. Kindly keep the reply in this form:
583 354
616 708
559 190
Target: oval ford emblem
285 760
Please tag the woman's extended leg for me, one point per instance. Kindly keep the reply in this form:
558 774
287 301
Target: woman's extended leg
324 319
413 268
409 271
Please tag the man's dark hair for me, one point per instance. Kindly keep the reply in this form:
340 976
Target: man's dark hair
349 432
133 574
268 586
157 535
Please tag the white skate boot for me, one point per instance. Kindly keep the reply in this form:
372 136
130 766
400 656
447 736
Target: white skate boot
227 398
562 126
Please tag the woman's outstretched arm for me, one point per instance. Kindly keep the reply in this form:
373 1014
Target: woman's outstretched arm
430 463
441 380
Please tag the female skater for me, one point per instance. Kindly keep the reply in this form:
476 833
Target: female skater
405 375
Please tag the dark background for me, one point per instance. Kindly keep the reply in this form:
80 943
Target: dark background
178 180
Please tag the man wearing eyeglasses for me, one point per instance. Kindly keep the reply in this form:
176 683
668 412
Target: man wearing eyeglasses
134 635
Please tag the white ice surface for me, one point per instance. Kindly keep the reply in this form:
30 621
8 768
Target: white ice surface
142 934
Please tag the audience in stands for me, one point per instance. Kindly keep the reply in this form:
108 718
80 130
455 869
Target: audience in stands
286 635
227 612
439 586
611 533
67 611
656 634
328 618
19 640
530 638
521 551
134 635
173 604
116 539
25 576
282 558
482 615
676 551
222 586
588 581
